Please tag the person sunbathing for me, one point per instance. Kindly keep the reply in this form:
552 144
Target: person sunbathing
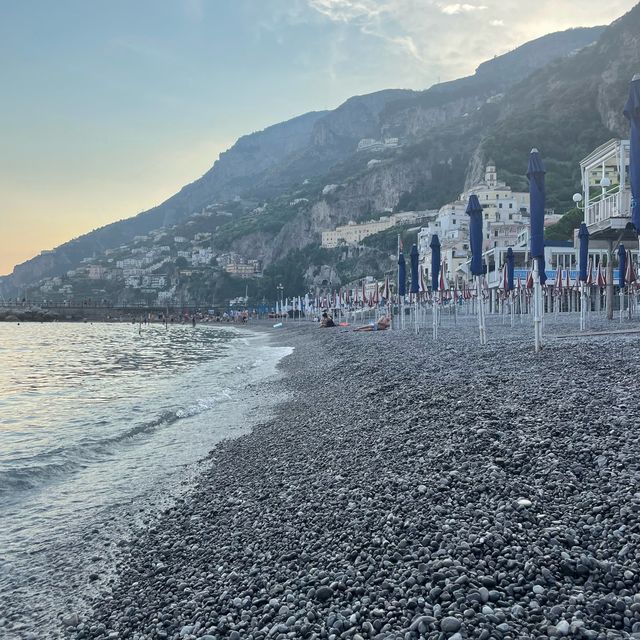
382 324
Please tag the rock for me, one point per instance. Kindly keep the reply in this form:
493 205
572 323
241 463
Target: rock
450 624
71 620
324 593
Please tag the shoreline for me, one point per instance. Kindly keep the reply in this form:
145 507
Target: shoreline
380 501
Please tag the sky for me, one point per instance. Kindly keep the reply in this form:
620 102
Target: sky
108 107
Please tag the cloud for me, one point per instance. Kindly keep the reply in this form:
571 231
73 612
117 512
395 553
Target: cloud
452 9
348 10
426 40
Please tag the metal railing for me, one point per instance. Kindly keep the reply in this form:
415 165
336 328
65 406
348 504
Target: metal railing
613 205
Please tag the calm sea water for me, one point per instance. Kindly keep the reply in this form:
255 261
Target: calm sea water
100 425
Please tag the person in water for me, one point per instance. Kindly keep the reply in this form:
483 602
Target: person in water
381 325
327 321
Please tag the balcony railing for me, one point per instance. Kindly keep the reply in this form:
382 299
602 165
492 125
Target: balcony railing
613 205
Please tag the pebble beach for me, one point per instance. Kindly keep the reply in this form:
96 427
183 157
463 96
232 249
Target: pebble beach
406 489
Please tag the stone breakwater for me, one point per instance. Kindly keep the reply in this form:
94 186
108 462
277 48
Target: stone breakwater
407 490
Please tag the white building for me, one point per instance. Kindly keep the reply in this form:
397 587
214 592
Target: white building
352 233
96 272
505 216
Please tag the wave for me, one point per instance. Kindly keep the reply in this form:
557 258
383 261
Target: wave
48 466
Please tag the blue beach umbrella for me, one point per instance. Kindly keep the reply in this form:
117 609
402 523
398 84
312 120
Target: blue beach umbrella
542 269
510 267
583 235
402 275
435 261
474 211
414 270
632 113
535 173
622 265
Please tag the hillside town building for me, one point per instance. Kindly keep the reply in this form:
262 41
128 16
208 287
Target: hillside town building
353 233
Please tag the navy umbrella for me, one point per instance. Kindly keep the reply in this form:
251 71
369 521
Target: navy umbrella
535 173
414 270
583 235
510 267
435 261
474 211
622 265
542 269
402 275
632 112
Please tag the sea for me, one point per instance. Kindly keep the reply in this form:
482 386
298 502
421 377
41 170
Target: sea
101 427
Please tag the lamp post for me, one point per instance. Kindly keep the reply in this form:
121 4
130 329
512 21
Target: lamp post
280 288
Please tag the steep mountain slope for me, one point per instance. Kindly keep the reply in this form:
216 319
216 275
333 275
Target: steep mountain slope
567 109
441 128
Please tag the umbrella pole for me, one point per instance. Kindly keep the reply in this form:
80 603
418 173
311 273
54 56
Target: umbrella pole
621 304
435 316
511 309
537 303
480 310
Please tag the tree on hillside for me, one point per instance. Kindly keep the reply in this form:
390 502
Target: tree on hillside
564 228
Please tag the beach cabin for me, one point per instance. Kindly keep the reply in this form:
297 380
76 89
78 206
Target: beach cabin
606 202
606 193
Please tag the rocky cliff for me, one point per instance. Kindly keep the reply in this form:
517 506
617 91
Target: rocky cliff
443 131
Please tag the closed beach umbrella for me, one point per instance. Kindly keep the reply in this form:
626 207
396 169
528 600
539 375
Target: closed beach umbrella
414 269
530 279
601 279
622 265
474 211
630 275
632 112
542 270
435 261
422 286
535 173
557 285
402 275
510 268
590 272
386 291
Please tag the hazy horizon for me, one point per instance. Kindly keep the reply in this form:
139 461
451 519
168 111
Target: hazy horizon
108 108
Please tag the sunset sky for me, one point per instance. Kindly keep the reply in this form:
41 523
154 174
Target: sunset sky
110 106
